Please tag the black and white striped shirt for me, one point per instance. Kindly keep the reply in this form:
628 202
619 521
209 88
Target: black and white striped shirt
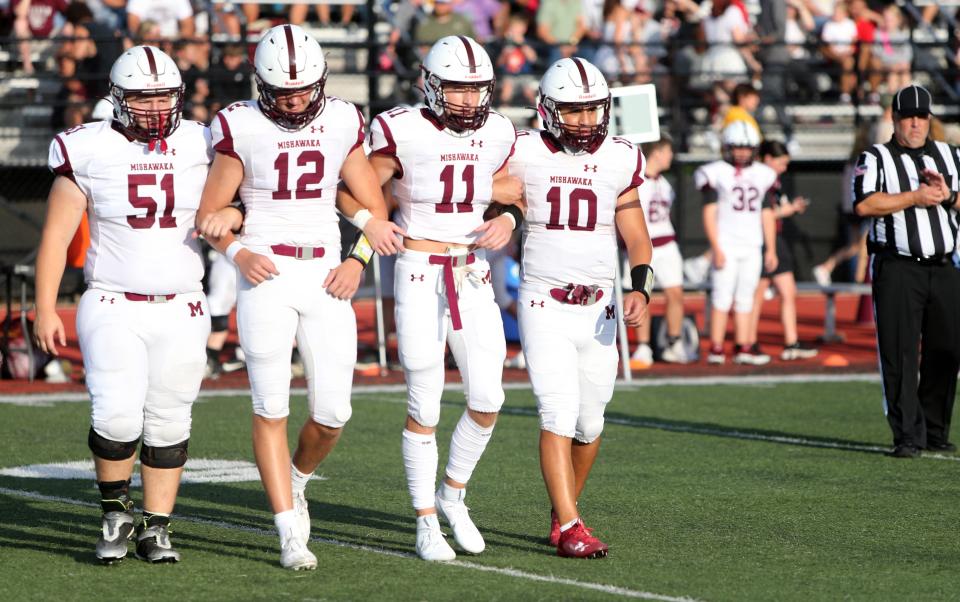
921 232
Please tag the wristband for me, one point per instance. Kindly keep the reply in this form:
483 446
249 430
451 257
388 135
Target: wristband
234 248
641 277
361 250
360 218
514 212
513 220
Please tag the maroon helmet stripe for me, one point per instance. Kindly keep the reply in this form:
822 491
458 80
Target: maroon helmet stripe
151 62
470 58
291 51
583 75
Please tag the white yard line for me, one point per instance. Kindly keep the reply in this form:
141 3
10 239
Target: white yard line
599 587
690 381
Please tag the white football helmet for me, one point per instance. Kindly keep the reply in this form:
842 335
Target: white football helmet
739 134
569 84
145 71
289 60
460 60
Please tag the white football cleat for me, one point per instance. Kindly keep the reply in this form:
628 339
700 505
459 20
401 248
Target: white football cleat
642 357
294 554
457 515
675 353
302 511
430 542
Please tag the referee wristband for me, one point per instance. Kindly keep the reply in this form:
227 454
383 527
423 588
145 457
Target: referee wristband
234 248
360 218
641 277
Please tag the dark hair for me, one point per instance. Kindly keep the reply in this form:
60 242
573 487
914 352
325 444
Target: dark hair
743 90
649 147
773 148
77 13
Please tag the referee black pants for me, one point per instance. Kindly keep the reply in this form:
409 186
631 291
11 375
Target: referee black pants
917 309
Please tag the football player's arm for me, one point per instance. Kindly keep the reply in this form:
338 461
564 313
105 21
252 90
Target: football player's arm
633 229
65 207
710 227
507 188
769 221
365 179
223 181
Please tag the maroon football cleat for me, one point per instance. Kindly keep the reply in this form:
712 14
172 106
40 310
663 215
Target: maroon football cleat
578 542
554 529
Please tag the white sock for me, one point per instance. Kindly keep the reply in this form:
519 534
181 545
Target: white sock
285 522
452 494
420 461
566 526
298 479
466 446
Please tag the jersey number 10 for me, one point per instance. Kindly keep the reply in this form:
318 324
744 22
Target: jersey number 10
577 196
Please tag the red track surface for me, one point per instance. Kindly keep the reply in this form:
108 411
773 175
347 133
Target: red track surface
857 353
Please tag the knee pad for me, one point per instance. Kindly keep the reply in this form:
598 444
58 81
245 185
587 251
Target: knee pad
332 415
171 456
589 428
742 303
425 414
273 408
563 424
219 323
110 450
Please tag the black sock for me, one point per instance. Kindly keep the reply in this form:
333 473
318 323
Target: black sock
153 520
115 495
213 354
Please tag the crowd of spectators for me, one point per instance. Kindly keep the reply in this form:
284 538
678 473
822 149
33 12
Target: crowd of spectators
698 51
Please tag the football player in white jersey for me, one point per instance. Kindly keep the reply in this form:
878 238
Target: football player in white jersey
286 154
739 221
580 187
443 160
143 321
657 197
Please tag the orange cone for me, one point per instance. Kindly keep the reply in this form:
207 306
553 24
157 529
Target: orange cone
835 360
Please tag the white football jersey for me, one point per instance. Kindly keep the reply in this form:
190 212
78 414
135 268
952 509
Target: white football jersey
569 234
741 195
657 196
142 205
446 181
290 179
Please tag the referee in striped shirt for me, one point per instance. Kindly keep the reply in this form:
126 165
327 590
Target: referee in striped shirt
908 187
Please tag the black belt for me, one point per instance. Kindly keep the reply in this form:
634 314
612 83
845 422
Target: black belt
936 260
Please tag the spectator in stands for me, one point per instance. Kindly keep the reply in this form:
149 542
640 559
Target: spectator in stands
745 99
443 22
34 20
621 56
799 27
174 17
112 13
729 57
195 80
839 37
775 156
892 53
489 17
229 78
515 63
399 54
84 56
821 10
561 24
298 13
866 21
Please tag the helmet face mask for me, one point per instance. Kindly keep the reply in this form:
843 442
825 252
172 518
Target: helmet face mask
739 135
289 62
456 68
138 78
572 86
290 120
580 137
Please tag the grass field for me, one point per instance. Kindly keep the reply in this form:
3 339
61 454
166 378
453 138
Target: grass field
762 492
